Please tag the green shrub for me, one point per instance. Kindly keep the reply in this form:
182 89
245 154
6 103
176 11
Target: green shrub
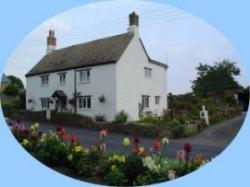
149 119
175 122
8 108
52 150
121 117
115 177
84 167
11 90
133 168
100 118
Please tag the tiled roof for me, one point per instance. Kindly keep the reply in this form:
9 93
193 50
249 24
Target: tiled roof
97 52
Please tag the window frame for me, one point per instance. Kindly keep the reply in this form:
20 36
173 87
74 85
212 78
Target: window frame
44 82
62 78
145 101
84 77
147 72
85 102
157 100
45 102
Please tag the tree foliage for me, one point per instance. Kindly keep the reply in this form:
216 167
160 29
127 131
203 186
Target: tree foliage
16 81
216 79
11 90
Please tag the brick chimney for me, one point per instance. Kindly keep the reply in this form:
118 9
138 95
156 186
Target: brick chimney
51 42
133 23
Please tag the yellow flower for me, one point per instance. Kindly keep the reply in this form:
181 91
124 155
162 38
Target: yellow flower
141 150
86 151
70 157
123 159
34 127
113 167
120 159
25 142
78 148
126 142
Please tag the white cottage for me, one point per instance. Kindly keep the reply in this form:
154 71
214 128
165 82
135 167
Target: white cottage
101 77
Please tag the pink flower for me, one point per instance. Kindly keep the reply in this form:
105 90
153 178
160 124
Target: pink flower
103 133
74 139
180 155
103 147
171 174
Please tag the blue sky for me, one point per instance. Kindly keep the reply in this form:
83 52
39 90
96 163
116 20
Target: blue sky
170 35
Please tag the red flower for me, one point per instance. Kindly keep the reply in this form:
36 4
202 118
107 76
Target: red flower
18 119
187 148
136 141
74 139
156 145
61 131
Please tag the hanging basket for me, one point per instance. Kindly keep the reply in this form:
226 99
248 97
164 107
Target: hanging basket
102 99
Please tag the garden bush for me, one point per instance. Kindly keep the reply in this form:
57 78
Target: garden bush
52 150
121 117
100 118
9 108
11 90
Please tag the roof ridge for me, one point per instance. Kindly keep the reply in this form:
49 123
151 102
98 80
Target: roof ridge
95 40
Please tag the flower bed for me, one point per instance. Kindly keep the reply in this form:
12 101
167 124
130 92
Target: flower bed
157 130
64 153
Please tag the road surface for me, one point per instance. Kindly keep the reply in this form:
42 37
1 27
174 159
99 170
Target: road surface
210 142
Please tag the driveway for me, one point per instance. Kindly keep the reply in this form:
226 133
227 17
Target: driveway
210 142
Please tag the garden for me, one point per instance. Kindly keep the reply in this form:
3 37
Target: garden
64 153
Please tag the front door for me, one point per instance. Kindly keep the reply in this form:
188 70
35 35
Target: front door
60 106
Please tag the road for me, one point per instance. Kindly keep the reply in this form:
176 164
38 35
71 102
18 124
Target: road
210 142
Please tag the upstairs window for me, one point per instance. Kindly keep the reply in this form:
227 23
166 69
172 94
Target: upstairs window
145 101
62 78
157 100
84 102
148 72
44 80
45 103
85 75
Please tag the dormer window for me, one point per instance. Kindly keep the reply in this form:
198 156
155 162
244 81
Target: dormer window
84 75
147 72
44 80
62 78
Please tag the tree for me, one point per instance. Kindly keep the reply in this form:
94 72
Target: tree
16 81
11 90
216 79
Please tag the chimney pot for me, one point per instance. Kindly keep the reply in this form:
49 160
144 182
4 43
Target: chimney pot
133 24
51 42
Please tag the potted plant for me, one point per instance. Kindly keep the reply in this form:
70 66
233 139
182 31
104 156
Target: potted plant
30 100
102 98
72 101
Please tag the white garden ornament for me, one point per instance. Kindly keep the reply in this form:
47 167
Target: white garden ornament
204 115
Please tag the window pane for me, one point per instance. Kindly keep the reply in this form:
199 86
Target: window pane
84 102
89 102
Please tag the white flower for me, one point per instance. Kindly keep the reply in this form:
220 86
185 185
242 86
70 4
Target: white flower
165 141
171 175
